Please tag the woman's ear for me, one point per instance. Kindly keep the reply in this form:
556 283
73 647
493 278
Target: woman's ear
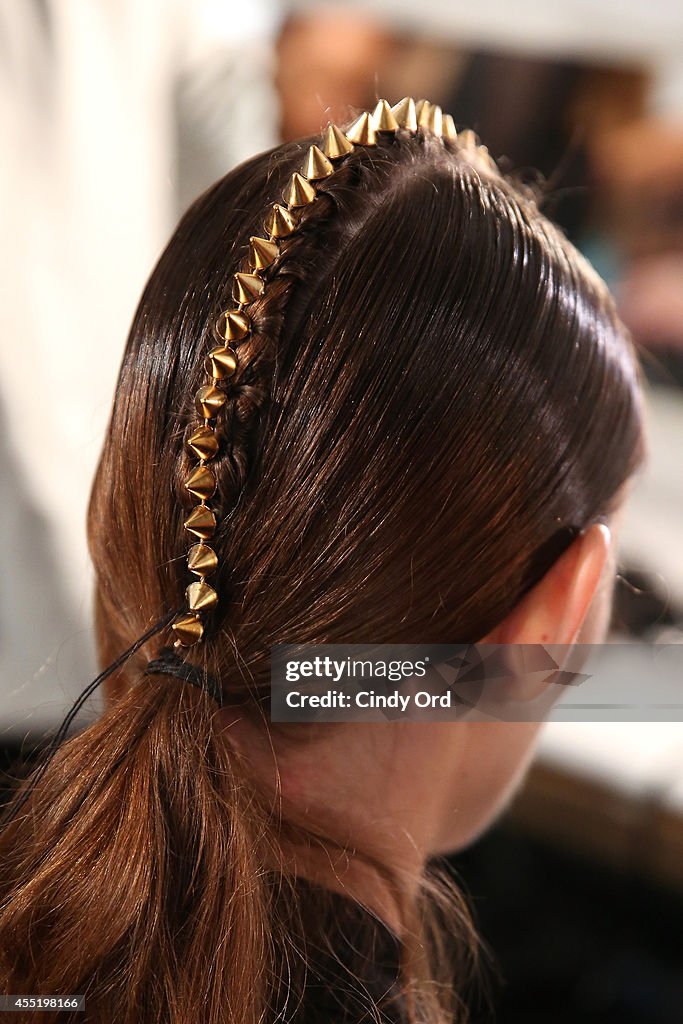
555 609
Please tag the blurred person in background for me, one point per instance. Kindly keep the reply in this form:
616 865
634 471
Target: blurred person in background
640 167
592 105
585 101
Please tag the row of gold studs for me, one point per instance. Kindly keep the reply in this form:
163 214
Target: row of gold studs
234 324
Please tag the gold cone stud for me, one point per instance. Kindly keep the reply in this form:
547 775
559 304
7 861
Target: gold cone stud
299 192
188 630
262 252
468 139
448 128
233 325
423 110
201 482
203 443
383 118
246 287
280 223
316 165
404 113
436 120
362 131
336 145
429 117
209 401
201 522
200 596
202 559
221 363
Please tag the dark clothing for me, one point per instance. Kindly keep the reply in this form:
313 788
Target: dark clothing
353 965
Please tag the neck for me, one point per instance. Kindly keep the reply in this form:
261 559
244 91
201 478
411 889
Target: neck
383 889
336 830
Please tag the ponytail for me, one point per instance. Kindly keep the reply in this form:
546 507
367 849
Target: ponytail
133 875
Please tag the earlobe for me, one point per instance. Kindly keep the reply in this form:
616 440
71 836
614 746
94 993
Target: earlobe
554 611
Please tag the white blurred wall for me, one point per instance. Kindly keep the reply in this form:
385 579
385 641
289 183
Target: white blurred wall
113 115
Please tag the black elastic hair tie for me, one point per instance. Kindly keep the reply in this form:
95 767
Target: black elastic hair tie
168 663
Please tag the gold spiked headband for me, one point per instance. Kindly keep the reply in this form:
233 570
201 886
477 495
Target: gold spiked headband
234 324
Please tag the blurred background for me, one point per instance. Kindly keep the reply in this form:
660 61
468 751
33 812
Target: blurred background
114 115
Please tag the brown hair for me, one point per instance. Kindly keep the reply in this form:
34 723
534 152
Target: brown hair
436 397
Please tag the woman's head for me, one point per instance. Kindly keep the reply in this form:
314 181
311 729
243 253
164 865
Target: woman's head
435 399
433 417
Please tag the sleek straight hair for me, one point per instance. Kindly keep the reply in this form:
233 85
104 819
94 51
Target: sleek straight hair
436 398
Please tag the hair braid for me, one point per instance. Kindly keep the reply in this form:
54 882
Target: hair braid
229 406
